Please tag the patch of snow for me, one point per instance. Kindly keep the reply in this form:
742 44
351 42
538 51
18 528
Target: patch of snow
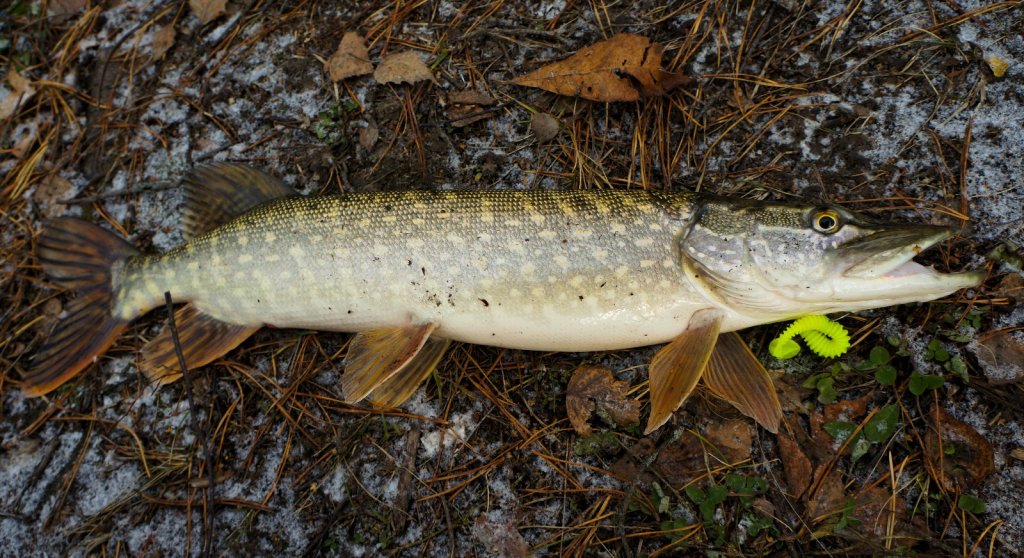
455 434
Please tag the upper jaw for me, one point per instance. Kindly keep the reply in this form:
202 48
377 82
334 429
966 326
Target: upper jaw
888 251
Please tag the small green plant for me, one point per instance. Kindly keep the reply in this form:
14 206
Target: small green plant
330 125
846 518
970 504
707 502
920 383
879 360
935 351
877 430
825 383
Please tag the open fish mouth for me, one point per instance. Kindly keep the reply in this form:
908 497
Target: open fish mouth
889 251
888 254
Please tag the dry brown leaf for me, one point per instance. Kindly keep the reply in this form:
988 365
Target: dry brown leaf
65 7
402 67
368 135
829 496
593 389
467 107
52 309
733 438
876 508
351 59
795 465
21 91
849 410
163 40
791 394
682 461
544 126
502 539
1001 355
971 460
21 147
1010 286
50 194
622 68
208 10
632 466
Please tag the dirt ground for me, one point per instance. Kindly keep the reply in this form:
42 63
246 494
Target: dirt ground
911 444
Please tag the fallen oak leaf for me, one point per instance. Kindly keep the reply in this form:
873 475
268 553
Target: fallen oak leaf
402 67
208 10
351 59
621 68
593 389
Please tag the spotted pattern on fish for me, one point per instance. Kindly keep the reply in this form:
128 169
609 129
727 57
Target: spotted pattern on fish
546 270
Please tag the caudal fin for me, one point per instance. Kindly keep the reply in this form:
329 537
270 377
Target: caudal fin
77 255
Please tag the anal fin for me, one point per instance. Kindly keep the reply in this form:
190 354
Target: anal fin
400 386
376 355
735 375
203 340
677 367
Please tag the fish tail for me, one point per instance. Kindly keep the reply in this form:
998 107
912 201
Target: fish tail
78 256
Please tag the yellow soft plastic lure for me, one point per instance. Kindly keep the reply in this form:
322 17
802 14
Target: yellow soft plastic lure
823 336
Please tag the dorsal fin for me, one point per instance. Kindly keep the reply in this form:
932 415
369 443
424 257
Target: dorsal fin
219 192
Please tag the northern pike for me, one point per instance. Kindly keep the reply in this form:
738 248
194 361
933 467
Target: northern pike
545 270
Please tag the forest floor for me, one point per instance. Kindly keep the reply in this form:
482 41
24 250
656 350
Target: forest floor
910 444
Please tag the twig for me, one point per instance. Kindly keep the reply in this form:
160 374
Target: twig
208 490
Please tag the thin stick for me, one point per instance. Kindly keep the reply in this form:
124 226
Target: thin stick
208 490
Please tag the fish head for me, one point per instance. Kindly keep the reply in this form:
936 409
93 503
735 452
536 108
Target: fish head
776 261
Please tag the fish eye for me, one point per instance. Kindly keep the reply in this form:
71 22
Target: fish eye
827 221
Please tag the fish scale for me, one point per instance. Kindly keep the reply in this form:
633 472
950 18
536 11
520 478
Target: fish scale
540 270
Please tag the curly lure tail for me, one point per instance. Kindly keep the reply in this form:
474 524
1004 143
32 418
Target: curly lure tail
824 337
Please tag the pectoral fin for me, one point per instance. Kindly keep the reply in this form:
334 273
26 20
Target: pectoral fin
677 367
399 387
735 374
203 340
375 356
